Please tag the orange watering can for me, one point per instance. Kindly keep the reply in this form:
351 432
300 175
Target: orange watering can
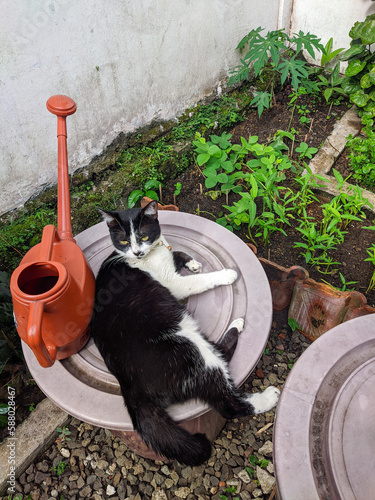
53 287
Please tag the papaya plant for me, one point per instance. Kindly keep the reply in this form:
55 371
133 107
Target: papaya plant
283 64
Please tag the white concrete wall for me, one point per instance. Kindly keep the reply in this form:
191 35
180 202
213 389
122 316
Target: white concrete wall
124 62
327 19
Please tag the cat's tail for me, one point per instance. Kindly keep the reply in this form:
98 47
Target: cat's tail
166 437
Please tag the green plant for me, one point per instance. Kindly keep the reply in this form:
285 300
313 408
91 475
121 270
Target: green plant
305 151
254 461
328 53
362 156
148 190
371 258
60 468
293 324
360 72
4 408
332 81
273 56
345 283
64 432
303 112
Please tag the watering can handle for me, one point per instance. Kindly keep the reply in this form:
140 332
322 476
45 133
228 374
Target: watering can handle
45 355
62 106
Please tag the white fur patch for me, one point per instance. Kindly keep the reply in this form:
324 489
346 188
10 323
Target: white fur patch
238 323
159 263
194 266
190 330
264 401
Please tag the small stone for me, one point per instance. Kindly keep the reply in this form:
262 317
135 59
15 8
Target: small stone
102 464
110 490
54 493
116 479
186 472
65 452
266 449
236 483
244 476
168 483
182 492
245 495
91 479
85 492
165 470
138 469
267 482
41 476
80 482
30 469
42 466
272 377
159 495
233 449
271 468
257 493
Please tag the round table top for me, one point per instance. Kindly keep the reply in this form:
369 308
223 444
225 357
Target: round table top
325 421
82 386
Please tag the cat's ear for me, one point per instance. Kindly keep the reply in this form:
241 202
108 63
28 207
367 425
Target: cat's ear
109 218
151 210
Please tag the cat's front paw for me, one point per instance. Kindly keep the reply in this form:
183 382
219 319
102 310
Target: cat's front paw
194 266
227 276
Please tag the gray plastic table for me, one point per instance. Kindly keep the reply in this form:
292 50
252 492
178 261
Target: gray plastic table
324 442
82 386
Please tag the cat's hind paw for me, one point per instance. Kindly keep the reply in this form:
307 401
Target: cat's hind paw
264 401
238 323
194 266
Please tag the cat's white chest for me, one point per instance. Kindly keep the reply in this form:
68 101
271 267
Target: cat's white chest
158 263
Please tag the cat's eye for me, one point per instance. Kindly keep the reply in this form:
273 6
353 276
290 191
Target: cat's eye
145 238
124 242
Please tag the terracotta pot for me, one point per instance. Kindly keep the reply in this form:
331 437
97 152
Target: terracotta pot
145 201
317 307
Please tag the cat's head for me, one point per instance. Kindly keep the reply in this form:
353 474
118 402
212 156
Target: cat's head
134 232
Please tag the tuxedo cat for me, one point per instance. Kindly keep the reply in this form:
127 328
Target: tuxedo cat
152 344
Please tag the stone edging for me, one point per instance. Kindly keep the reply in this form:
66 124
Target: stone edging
333 146
30 439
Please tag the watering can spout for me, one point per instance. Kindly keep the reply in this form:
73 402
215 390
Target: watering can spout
53 287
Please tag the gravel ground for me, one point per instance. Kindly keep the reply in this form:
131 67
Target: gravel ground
95 465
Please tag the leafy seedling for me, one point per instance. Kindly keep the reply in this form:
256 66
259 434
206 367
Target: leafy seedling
305 151
64 432
293 324
148 190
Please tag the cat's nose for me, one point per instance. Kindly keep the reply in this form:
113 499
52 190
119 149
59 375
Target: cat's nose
137 253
